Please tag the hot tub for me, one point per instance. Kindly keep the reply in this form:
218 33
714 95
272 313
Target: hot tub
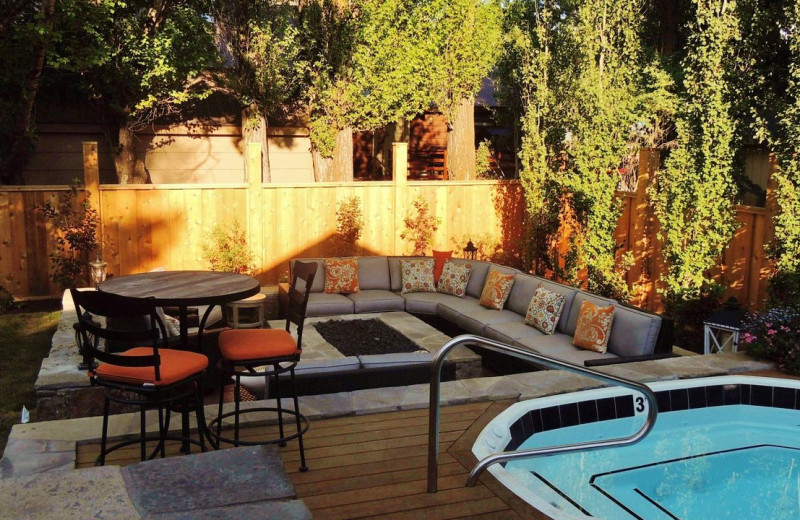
722 447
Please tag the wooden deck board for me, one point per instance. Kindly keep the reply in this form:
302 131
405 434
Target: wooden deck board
375 466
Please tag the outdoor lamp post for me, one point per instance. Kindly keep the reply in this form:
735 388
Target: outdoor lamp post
98 271
721 330
470 250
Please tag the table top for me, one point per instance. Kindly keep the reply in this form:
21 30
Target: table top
183 288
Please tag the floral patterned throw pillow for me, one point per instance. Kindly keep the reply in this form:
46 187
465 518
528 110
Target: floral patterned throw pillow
544 310
454 278
417 275
341 275
496 289
594 327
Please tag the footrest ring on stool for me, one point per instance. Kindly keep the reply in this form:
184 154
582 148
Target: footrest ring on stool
212 433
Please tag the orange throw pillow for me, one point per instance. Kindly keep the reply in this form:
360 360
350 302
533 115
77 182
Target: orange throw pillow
341 275
438 263
496 289
594 327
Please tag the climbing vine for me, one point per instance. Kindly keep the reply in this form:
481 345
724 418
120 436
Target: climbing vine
693 195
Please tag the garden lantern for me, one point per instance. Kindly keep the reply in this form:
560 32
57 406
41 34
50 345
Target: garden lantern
470 250
721 330
98 271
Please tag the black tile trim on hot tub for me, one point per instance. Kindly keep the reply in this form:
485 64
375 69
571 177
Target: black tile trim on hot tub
609 408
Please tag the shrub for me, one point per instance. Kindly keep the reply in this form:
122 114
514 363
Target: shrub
228 250
773 335
349 223
76 222
6 300
420 227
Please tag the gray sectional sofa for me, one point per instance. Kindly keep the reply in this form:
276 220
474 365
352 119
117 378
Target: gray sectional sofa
635 334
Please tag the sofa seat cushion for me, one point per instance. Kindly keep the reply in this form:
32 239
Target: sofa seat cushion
510 331
633 333
322 304
468 314
560 346
426 303
377 300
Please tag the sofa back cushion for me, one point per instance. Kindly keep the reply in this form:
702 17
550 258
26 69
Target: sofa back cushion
477 277
574 311
569 298
395 272
373 273
634 332
521 293
319 279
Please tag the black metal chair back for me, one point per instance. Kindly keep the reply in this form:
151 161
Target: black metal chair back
132 320
303 274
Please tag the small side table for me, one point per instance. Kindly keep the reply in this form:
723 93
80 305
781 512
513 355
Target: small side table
255 303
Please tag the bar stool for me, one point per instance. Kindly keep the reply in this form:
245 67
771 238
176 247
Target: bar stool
254 303
251 353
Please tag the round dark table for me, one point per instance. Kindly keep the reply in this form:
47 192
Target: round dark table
184 289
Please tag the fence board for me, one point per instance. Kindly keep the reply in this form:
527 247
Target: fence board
144 227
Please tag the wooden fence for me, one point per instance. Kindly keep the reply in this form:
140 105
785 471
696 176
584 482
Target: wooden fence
149 226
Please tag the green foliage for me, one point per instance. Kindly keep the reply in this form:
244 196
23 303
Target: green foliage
693 195
461 40
349 220
137 60
6 300
264 42
784 289
419 227
577 68
226 249
76 224
483 161
772 335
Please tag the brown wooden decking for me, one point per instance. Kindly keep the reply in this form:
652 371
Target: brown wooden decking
375 466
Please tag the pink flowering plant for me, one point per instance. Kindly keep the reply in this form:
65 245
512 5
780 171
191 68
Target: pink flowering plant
774 335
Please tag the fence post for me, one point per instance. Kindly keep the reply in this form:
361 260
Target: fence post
254 222
400 179
91 182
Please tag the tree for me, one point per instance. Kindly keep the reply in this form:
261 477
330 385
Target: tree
26 29
693 195
138 61
525 86
329 28
463 41
267 72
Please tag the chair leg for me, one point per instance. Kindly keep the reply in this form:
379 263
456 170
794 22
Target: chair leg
200 415
143 433
303 467
104 436
278 401
236 399
219 408
162 431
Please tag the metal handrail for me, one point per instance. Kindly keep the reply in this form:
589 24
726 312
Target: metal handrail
496 346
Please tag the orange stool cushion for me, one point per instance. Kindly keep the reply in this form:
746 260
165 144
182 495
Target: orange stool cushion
255 344
176 365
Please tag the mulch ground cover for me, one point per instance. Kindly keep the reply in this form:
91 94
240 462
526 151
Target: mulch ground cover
354 337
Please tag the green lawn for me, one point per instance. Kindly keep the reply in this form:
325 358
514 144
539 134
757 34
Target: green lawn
24 341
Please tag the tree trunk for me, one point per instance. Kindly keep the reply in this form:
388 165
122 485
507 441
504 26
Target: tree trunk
461 142
338 168
129 165
21 133
255 130
342 167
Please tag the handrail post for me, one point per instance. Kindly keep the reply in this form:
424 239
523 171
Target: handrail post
496 346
